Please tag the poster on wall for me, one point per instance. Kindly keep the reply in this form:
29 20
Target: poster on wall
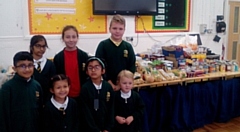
172 17
50 16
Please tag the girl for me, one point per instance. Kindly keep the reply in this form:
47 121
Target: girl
60 112
44 68
129 106
97 98
71 61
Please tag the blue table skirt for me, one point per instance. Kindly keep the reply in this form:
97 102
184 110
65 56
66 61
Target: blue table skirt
184 108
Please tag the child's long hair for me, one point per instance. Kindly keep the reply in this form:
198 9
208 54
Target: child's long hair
68 27
125 73
35 39
58 77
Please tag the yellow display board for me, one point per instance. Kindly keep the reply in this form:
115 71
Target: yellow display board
50 16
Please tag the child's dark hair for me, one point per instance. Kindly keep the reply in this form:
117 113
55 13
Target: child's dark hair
93 59
35 39
59 77
22 56
67 28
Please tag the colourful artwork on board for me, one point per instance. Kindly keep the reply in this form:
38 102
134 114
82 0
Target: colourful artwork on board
50 16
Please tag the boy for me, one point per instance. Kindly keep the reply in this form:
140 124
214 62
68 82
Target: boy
117 53
21 98
97 98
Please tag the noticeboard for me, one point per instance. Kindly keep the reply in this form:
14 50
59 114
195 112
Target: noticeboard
173 16
50 16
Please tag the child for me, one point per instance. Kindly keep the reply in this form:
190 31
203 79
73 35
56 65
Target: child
21 98
129 106
60 112
97 98
44 68
115 48
71 61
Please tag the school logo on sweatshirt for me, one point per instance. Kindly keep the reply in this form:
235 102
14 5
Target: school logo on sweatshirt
125 53
83 66
37 94
108 96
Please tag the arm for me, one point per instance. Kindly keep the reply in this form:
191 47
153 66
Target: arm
110 118
114 87
100 51
77 122
52 69
46 121
88 118
140 107
132 60
4 110
56 63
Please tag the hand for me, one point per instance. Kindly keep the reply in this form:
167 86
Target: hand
105 130
129 120
115 87
120 120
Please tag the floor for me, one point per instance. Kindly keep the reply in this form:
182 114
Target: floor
231 126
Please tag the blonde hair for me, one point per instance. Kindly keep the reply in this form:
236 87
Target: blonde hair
119 19
124 73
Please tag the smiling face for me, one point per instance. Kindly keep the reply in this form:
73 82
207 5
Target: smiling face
70 38
60 90
126 84
117 30
24 68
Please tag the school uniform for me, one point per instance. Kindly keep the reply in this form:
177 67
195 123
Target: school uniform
117 57
60 63
97 104
61 117
43 77
20 105
126 105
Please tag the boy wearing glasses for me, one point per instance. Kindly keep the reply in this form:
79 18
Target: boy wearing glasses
97 99
21 97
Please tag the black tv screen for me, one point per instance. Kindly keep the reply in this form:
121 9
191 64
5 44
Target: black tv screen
125 7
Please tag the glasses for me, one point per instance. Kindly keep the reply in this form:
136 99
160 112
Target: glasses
40 46
24 67
97 67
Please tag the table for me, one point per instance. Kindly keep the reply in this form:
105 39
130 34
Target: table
191 103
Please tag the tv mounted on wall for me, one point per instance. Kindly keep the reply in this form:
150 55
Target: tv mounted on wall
125 7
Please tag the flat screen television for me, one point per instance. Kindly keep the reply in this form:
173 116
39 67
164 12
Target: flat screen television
125 7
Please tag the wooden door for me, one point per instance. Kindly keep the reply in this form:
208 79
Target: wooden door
233 45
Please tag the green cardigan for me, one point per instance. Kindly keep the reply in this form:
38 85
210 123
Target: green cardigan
103 118
117 58
20 105
44 78
82 59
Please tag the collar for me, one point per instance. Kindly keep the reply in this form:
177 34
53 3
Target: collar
58 105
125 95
115 42
39 60
98 87
16 76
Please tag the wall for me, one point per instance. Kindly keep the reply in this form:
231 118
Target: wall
14 34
